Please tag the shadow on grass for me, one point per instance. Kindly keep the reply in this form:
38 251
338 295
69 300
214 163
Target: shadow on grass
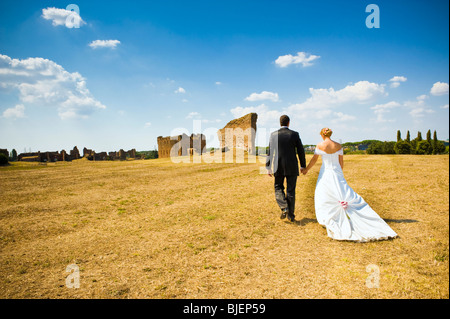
407 221
303 221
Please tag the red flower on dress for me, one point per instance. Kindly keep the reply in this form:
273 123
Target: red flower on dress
344 204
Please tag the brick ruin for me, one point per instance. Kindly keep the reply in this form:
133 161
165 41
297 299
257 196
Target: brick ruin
181 145
239 133
75 154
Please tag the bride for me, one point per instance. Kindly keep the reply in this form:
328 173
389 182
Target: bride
339 208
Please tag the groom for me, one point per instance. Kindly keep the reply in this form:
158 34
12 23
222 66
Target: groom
284 146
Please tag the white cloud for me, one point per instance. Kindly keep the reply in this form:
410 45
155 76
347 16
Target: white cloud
398 78
180 90
148 124
319 106
418 107
211 121
420 112
70 19
302 58
386 106
112 44
265 116
444 106
396 81
264 95
42 81
197 116
381 109
192 115
218 83
395 85
360 92
439 88
341 117
422 97
15 112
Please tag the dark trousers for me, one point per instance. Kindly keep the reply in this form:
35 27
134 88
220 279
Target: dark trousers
286 200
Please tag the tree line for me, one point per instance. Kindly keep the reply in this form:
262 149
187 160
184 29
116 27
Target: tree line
417 145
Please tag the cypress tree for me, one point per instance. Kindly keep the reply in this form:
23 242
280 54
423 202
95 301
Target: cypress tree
434 144
399 136
438 146
429 136
408 136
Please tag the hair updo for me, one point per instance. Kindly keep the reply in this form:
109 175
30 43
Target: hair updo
326 132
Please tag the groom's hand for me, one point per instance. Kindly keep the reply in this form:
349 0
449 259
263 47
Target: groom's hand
269 172
303 170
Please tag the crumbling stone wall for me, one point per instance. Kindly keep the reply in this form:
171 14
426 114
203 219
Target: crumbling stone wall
181 145
75 154
88 152
239 133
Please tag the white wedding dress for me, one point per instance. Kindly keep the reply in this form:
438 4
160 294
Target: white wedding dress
341 210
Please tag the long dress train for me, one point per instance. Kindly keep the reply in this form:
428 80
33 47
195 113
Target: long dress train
341 210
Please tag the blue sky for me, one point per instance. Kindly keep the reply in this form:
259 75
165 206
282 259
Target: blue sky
135 70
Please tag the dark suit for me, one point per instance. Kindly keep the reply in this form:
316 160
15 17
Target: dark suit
284 146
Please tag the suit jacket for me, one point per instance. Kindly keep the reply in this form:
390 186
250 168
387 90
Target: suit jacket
284 146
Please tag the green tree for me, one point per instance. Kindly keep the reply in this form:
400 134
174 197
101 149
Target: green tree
402 147
429 136
375 148
14 155
414 142
388 148
3 159
419 136
435 140
408 137
399 136
438 146
424 148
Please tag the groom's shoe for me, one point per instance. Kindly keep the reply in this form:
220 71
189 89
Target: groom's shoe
284 213
291 217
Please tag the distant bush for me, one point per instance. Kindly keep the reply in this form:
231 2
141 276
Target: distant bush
402 147
375 148
350 152
3 159
378 147
424 148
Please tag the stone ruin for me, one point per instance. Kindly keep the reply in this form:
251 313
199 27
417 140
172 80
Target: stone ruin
239 133
75 154
4 151
181 145
49 156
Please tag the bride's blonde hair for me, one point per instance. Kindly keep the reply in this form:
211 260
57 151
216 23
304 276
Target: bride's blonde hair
326 132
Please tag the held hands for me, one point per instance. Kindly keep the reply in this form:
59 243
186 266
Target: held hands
302 170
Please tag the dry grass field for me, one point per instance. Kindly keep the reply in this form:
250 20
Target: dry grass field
155 229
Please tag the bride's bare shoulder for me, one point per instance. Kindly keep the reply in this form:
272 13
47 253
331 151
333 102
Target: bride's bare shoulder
321 146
